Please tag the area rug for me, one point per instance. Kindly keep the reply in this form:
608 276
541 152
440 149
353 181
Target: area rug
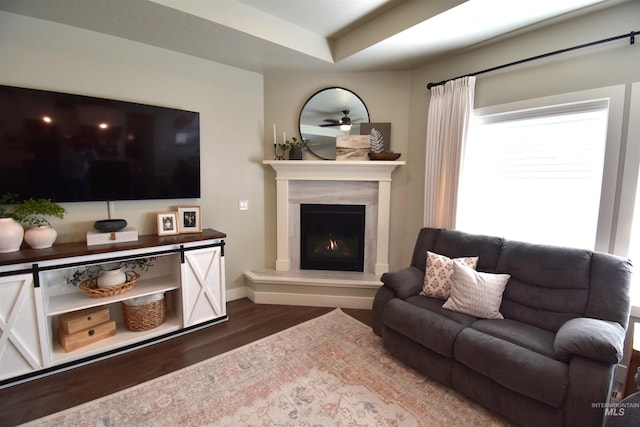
329 371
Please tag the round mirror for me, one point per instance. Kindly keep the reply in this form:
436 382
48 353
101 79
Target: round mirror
330 113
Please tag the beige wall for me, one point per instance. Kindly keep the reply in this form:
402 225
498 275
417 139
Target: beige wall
46 55
386 96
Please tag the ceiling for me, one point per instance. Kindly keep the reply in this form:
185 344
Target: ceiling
323 35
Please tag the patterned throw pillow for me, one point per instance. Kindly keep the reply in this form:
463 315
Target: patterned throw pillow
475 293
439 273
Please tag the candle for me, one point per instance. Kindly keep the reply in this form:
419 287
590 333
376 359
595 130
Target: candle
284 137
274 134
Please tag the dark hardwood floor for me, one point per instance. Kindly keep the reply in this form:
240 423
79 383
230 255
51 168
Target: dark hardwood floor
247 322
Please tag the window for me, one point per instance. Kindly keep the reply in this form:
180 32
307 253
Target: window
541 173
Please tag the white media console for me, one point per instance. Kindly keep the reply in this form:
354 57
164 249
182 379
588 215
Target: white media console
188 268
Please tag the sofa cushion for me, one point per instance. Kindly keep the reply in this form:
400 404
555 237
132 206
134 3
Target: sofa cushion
435 305
597 339
405 282
457 244
476 293
423 320
610 281
527 336
549 285
438 277
515 367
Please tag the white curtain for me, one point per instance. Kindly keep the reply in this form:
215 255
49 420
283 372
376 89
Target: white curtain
447 124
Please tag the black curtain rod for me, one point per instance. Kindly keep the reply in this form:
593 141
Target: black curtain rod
632 40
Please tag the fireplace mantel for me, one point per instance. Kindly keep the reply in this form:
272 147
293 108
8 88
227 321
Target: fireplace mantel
324 170
327 181
333 170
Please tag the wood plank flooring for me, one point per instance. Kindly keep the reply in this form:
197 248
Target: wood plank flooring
247 322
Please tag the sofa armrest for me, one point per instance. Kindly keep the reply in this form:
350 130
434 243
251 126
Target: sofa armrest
593 338
405 283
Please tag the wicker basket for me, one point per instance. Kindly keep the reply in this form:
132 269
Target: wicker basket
90 286
144 317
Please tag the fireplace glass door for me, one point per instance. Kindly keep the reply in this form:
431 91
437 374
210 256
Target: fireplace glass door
332 237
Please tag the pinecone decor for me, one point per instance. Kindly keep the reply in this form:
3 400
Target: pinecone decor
376 141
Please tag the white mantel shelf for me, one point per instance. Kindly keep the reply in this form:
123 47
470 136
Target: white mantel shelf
335 170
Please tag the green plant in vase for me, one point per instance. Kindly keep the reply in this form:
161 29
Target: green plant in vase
32 212
295 147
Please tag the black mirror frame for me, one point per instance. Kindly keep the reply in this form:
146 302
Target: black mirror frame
358 98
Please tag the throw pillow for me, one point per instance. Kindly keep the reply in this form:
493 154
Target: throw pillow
475 293
439 273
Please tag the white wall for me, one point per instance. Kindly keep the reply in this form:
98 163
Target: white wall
45 55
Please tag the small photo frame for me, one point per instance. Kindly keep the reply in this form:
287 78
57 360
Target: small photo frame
167 223
189 219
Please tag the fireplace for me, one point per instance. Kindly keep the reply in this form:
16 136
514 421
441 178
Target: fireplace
332 237
354 182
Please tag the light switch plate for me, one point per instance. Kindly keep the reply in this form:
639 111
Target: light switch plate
244 205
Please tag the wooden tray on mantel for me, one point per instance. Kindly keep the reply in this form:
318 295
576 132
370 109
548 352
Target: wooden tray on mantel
384 156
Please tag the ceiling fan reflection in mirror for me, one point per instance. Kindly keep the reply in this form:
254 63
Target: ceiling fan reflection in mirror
344 122
328 114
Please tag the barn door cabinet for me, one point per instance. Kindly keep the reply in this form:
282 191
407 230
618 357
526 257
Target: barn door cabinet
34 293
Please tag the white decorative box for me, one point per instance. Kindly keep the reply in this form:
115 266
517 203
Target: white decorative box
95 237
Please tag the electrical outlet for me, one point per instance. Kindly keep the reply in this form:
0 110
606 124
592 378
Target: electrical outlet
616 395
244 205
618 391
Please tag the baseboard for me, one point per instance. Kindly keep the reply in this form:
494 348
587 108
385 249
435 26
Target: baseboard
236 293
310 300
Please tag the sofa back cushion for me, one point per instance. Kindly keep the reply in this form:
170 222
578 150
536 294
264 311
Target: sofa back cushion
610 281
457 244
549 285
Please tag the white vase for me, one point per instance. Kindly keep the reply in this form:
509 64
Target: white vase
111 278
40 237
11 234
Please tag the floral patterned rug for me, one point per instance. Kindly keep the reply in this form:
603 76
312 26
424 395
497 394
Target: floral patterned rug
329 371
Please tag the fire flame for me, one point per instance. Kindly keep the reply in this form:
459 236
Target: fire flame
333 245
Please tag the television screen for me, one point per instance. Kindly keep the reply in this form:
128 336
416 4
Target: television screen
73 148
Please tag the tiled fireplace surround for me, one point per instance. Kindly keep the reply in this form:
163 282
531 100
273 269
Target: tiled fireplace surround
365 183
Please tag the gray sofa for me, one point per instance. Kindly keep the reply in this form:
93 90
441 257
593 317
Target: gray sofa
549 362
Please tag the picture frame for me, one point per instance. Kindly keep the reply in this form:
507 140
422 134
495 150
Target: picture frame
383 128
167 223
352 147
189 219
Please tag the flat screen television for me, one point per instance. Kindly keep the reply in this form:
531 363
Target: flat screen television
73 148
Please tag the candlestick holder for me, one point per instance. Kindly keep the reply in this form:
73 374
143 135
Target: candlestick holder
275 152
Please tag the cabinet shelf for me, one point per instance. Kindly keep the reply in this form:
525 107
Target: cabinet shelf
122 338
79 300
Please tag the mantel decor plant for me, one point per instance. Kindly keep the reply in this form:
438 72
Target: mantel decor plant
294 147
